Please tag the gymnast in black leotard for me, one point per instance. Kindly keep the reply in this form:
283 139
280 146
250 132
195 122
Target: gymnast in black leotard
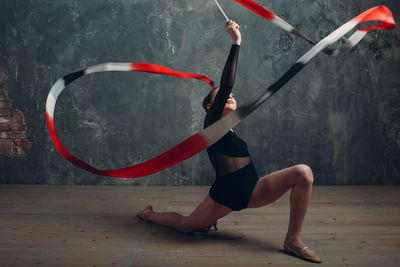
236 176
237 186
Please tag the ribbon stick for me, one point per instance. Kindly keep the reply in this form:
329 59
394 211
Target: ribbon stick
214 132
222 11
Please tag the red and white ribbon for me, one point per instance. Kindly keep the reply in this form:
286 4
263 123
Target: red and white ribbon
273 18
268 15
214 132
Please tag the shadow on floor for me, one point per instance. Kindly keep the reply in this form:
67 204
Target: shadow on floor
151 232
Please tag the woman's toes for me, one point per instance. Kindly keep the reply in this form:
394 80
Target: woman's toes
148 207
144 214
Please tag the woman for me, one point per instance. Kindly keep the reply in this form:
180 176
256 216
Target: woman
237 186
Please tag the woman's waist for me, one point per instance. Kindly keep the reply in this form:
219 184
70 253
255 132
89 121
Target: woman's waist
248 169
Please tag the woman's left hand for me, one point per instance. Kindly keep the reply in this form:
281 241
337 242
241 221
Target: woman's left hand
232 28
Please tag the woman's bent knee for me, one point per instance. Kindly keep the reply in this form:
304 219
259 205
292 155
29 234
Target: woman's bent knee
304 172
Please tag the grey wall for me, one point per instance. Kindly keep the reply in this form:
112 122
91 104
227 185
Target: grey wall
340 115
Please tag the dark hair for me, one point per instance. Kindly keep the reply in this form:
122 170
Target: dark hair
207 99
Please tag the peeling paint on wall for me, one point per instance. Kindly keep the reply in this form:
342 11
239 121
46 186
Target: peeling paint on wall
12 125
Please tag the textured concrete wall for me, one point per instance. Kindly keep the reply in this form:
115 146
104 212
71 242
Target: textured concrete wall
340 115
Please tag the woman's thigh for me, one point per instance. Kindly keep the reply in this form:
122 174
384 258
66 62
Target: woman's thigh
206 214
272 186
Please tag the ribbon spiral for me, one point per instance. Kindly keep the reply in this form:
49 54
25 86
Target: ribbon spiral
210 135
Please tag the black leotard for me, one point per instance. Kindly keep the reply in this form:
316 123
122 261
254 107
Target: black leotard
236 176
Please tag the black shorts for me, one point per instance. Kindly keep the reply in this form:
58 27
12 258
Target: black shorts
234 190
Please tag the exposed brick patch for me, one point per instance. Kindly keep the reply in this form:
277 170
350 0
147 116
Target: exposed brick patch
5 145
5 127
12 125
5 112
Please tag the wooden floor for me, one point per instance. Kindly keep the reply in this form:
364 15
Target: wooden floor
96 226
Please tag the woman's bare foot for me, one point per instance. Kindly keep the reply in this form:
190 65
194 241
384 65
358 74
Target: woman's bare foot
145 214
296 246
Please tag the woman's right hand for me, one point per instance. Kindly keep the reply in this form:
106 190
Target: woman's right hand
232 28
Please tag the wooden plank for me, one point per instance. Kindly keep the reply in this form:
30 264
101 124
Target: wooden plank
47 225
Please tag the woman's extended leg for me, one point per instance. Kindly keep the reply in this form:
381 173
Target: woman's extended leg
205 215
272 186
